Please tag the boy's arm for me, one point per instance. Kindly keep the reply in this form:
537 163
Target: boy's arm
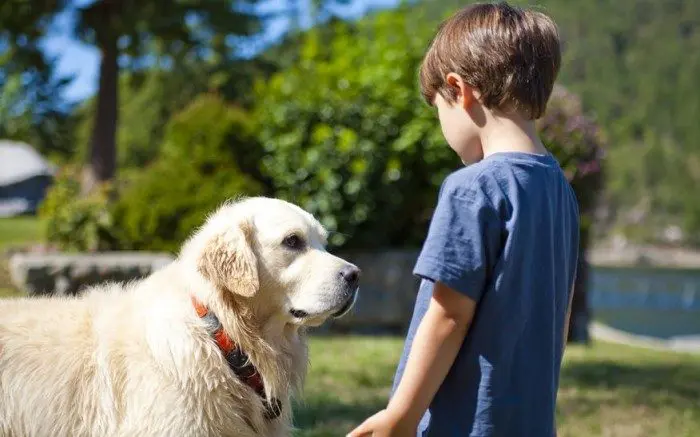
435 346
463 242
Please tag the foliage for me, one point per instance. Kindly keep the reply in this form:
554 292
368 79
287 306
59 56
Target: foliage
151 97
148 101
78 223
347 136
577 143
138 31
31 110
196 172
363 152
634 64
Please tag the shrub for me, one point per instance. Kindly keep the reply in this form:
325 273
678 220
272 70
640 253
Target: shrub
348 137
577 143
75 222
196 172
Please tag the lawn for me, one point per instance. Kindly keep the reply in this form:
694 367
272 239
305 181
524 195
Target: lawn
18 231
606 390
15 231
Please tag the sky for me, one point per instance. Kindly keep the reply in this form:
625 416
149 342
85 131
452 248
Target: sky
82 61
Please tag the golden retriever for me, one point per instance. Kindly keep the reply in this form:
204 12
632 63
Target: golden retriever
147 359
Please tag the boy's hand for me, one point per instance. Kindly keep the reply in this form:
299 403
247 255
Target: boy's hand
384 424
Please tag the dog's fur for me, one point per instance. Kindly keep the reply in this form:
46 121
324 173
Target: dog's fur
136 360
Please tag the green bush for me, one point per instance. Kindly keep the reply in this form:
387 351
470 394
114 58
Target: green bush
576 141
76 222
348 137
198 169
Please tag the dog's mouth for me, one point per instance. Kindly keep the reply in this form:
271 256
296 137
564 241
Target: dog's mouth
301 314
347 305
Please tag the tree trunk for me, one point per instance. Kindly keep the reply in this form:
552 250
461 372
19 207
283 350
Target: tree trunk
102 164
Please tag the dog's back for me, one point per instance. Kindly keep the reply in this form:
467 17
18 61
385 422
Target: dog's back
116 362
50 380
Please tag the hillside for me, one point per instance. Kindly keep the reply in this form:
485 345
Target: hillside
635 64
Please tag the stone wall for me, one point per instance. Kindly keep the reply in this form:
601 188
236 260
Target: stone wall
385 302
68 274
387 292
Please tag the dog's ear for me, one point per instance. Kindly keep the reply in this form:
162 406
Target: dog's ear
228 261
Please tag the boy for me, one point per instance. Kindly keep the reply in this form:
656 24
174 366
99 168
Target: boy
484 348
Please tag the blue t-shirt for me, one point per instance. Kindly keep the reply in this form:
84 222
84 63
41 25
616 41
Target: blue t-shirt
505 232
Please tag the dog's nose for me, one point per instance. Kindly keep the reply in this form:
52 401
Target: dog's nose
351 274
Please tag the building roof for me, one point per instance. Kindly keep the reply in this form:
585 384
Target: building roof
19 162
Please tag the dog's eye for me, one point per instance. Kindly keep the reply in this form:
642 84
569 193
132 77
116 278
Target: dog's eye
293 242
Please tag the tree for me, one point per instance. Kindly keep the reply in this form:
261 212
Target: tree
31 108
149 97
134 28
129 34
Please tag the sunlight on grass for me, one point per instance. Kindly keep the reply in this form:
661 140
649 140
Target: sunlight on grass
15 231
9 292
19 230
606 390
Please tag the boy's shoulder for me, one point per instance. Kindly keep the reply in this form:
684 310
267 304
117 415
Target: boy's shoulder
478 179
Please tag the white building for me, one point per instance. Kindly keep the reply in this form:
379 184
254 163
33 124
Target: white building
24 178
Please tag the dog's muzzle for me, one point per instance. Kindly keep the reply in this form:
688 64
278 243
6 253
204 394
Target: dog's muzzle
347 305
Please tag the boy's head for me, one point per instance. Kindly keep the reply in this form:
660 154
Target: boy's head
505 58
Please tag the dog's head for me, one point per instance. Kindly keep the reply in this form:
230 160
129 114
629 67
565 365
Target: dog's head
273 253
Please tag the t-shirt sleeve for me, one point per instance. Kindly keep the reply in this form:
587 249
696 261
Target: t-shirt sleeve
463 239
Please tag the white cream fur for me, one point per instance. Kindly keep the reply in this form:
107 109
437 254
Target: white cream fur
135 360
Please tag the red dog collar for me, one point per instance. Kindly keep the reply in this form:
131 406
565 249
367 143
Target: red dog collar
237 359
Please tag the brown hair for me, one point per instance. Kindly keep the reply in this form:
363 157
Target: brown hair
510 55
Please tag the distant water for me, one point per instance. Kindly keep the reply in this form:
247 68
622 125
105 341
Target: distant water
656 302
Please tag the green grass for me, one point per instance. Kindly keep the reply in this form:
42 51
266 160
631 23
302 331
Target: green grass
9 292
19 230
606 390
16 231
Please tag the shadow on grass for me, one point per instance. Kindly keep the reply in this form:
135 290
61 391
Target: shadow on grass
656 385
332 417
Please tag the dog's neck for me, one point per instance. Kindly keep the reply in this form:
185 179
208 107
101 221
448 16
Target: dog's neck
276 348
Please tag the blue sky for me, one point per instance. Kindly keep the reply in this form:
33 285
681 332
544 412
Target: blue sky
82 61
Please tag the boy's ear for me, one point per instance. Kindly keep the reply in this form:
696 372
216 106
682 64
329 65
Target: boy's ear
466 95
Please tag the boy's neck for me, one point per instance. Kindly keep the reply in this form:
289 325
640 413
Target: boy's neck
506 133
